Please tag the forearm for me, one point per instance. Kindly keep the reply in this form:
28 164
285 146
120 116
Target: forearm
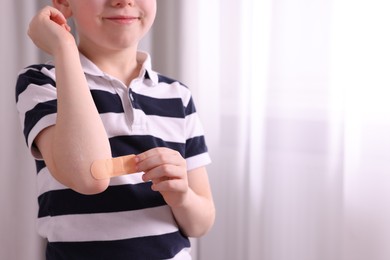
196 215
187 193
79 136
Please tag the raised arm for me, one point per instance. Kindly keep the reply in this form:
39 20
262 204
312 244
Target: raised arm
78 138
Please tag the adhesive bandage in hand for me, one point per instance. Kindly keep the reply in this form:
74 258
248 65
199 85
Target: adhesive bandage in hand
107 168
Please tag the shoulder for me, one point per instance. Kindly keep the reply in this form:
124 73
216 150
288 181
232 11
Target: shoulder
168 80
174 88
37 74
38 69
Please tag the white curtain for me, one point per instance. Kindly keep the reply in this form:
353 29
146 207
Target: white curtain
294 97
18 204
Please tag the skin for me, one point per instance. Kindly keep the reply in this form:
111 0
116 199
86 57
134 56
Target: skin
109 32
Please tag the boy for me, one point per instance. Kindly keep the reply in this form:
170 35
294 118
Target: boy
100 100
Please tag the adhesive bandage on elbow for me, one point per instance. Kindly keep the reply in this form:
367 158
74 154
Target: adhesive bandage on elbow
107 168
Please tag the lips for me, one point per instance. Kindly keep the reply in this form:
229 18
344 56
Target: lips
122 19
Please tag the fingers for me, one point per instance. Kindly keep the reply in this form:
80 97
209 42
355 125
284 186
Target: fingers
159 156
49 30
66 27
167 170
165 167
56 16
163 173
49 13
177 185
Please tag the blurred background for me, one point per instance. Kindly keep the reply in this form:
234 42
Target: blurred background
294 97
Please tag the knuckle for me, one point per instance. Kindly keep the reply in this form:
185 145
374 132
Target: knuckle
165 168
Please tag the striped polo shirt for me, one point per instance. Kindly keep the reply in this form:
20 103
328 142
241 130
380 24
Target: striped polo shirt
128 220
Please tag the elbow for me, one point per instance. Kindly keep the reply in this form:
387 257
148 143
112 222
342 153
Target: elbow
81 183
91 187
199 232
206 228
201 228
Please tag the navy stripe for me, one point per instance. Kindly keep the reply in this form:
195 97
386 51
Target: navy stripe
39 165
143 248
124 145
32 76
168 107
107 102
114 199
195 146
190 109
39 111
147 76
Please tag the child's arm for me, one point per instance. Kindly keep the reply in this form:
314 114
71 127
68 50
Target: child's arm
196 214
78 138
188 194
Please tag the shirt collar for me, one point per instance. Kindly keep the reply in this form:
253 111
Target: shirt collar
142 57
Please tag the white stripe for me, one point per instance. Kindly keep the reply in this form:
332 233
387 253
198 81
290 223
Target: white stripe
32 96
134 178
46 182
42 124
51 72
25 70
184 254
108 226
198 161
167 128
100 83
194 127
164 90
116 124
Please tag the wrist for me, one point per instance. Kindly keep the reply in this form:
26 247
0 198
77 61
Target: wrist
66 50
185 200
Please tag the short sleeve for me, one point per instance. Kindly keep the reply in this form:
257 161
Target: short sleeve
196 151
36 102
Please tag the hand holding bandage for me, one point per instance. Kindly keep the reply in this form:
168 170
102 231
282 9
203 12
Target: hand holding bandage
164 167
108 168
167 170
